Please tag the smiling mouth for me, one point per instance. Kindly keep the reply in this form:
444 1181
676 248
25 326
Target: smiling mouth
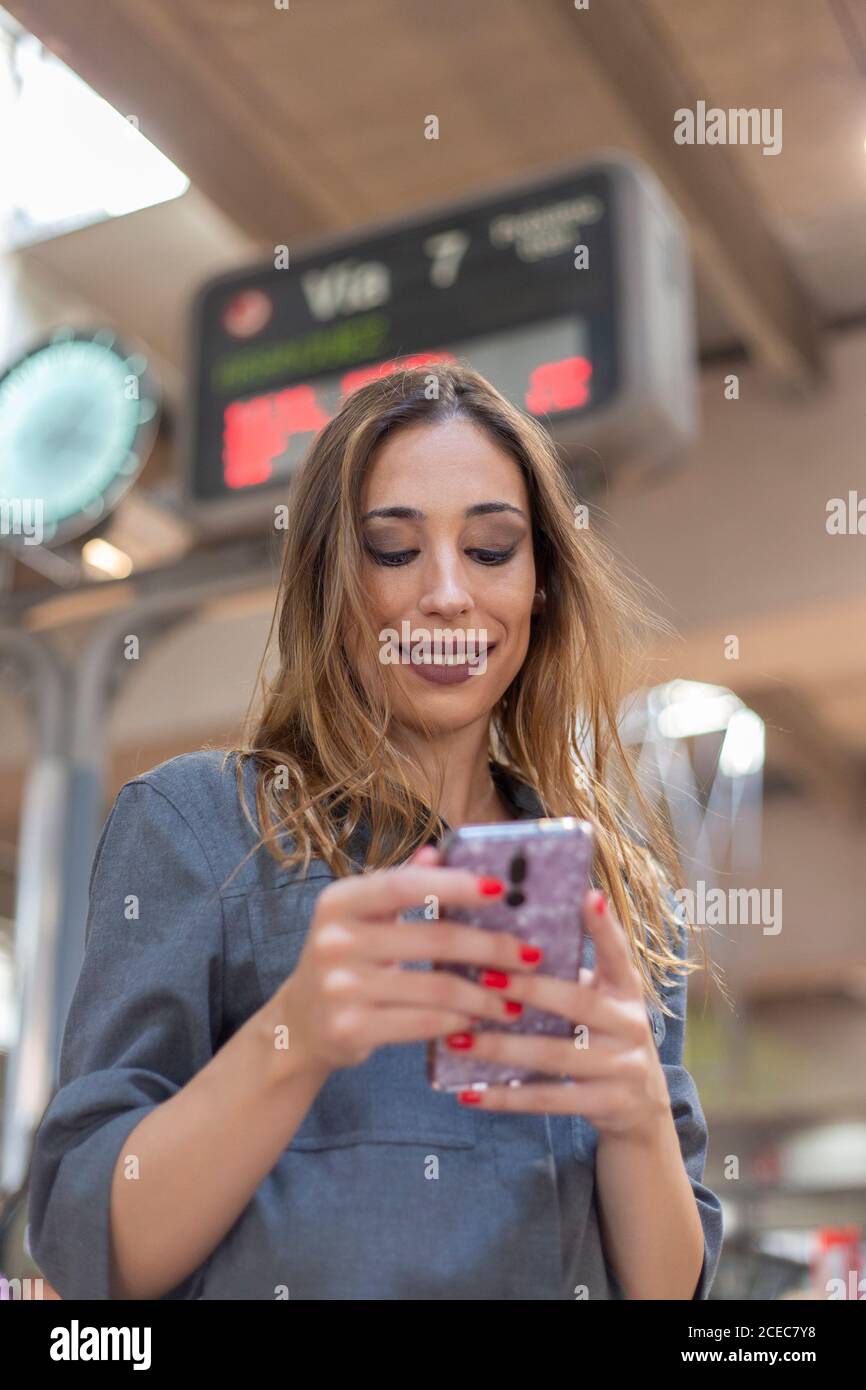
445 659
448 668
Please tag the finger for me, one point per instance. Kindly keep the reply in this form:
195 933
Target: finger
602 1013
439 989
386 892
614 965
426 854
554 1056
442 941
398 1024
591 1099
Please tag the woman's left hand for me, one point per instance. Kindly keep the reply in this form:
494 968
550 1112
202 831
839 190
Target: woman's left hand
615 1077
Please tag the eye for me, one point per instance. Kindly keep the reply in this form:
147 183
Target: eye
391 557
480 554
492 557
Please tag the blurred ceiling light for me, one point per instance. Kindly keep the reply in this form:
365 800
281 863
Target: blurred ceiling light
74 160
688 708
714 809
106 559
743 748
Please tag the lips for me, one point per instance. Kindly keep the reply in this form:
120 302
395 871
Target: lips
446 670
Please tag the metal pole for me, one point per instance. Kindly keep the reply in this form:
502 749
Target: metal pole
37 929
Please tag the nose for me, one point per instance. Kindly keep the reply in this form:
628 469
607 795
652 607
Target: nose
445 592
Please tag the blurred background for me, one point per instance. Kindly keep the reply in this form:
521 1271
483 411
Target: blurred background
645 222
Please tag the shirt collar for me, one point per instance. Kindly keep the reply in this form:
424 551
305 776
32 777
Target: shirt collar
522 797
523 800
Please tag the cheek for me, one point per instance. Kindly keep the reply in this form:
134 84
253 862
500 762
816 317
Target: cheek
511 596
387 592
389 599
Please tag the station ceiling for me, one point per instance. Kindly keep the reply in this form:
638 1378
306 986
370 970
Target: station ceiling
293 124
299 122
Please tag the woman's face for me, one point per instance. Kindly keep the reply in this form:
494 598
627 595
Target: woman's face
449 571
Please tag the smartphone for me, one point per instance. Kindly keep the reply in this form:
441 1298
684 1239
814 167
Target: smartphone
546 866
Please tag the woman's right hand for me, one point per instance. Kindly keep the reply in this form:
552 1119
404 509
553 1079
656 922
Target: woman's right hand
347 994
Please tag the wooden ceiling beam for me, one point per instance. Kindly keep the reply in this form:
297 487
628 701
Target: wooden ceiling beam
739 258
186 85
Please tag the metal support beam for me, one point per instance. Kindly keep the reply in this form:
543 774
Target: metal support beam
61 822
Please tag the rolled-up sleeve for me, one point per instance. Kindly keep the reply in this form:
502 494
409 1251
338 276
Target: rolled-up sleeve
690 1122
145 1017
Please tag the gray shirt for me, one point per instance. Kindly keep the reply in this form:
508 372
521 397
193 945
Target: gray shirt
388 1190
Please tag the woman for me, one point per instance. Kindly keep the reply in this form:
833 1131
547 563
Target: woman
243 1108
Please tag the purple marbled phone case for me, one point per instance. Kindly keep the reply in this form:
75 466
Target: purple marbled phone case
549 864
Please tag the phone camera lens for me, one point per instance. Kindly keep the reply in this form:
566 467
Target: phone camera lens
514 898
518 868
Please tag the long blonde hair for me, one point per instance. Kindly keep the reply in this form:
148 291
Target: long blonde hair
321 740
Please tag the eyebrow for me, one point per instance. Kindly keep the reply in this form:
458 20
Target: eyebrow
413 514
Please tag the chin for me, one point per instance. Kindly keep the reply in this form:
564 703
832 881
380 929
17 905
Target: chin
446 708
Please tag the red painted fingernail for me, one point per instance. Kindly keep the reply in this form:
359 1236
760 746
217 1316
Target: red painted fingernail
469 1097
494 979
459 1040
600 903
531 954
491 887
512 1006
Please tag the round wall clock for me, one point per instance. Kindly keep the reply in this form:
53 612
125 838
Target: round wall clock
78 418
